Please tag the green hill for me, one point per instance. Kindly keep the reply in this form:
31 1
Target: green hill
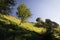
28 26
8 19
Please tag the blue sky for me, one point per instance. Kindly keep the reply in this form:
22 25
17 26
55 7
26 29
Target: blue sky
42 8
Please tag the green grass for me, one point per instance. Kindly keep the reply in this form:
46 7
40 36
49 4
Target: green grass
26 25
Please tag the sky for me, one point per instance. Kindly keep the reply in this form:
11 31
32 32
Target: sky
45 9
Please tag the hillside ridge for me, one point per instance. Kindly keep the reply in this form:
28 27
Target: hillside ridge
26 25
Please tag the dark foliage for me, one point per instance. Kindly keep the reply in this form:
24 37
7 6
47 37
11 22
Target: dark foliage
39 23
6 6
49 25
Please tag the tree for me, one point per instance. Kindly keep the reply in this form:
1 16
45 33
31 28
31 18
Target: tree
49 26
39 22
6 6
23 12
38 19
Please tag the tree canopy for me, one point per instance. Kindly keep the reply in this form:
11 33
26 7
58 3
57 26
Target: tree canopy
23 12
6 6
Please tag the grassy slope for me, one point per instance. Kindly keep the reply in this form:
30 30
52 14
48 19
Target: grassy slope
26 25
